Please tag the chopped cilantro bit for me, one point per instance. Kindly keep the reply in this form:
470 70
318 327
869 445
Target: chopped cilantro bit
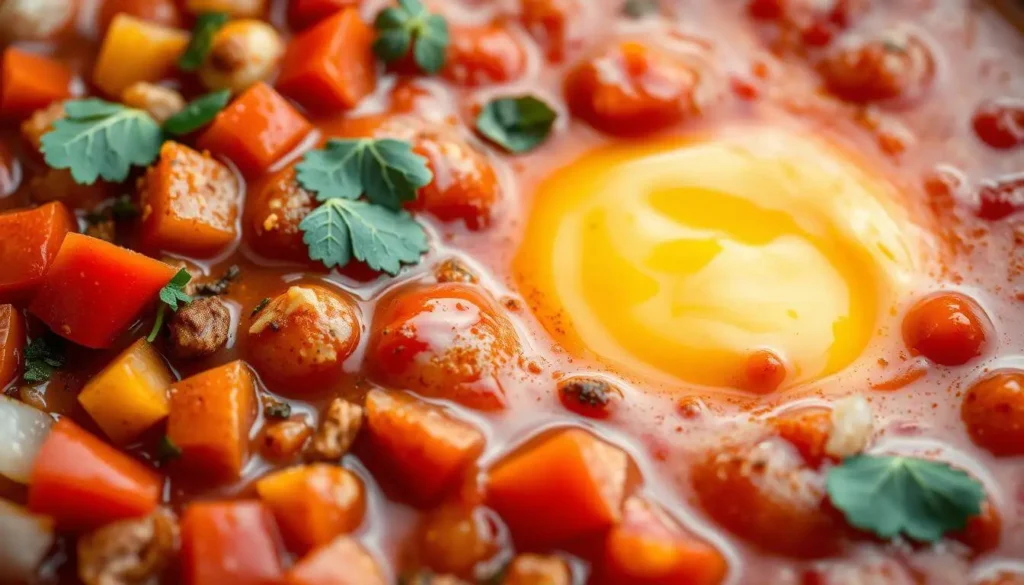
123 208
260 306
517 124
221 285
43 356
198 113
167 450
98 139
207 25
411 25
640 8
892 495
278 410
172 295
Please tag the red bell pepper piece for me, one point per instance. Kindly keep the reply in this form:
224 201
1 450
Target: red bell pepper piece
230 543
12 343
94 290
29 239
83 483
304 13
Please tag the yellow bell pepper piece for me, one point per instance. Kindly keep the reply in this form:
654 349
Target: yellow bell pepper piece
136 50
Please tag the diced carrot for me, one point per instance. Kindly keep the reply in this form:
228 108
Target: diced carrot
330 66
255 130
83 483
189 202
130 394
343 562
229 543
29 239
649 548
211 414
564 486
12 343
94 290
135 50
424 449
304 13
313 504
29 82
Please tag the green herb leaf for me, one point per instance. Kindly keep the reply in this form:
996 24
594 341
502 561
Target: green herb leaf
100 139
278 410
411 25
221 285
260 306
342 229
890 495
43 356
172 295
123 208
198 113
387 171
640 8
207 25
167 450
517 124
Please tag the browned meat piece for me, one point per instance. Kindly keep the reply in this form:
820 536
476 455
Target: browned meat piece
200 328
337 430
129 552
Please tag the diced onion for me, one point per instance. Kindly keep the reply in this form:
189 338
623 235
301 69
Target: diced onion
853 425
22 432
26 539
33 20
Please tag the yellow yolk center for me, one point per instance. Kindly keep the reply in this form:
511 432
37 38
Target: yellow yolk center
680 259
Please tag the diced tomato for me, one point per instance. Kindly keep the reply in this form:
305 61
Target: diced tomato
29 82
648 548
764 373
330 66
422 448
481 55
94 290
210 417
889 66
1000 123
556 24
563 486
83 483
314 504
255 130
343 562
229 543
275 207
305 13
808 430
189 202
949 328
29 240
12 343
993 412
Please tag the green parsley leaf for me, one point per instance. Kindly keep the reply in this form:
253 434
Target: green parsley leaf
278 410
100 139
517 124
123 208
387 171
221 285
198 113
167 450
891 495
43 356
640 8
260 306
172 295
342 229
207 25
407 25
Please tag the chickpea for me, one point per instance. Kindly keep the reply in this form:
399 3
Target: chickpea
160 102
34 20
242 53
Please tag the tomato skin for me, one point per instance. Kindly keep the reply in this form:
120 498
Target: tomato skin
163 12
1000 123
632 89
765 372
554 23
276 206
444 341
83 483
948 328
1001 197
993 411
481 55
808 431
232 542
878 69
12 344
306 13
29 240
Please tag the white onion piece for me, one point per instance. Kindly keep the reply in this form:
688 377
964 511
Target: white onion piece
26 539
22 432
33 20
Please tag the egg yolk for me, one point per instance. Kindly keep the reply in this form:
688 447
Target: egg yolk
681 259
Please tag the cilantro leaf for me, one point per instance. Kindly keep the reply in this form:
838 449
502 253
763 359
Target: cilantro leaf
167 450
43 356
207 25
411 25
100 139
198 113
387 171
172 295
891 495
342 229
517 124
123 208
260 306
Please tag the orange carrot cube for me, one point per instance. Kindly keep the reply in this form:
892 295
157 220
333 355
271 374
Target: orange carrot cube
29 240
343 562
30 82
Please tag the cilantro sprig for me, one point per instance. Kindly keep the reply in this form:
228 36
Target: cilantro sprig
43 356
172 296
207 25
517 124
892 495
197 113
411 26
98 139
374 230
